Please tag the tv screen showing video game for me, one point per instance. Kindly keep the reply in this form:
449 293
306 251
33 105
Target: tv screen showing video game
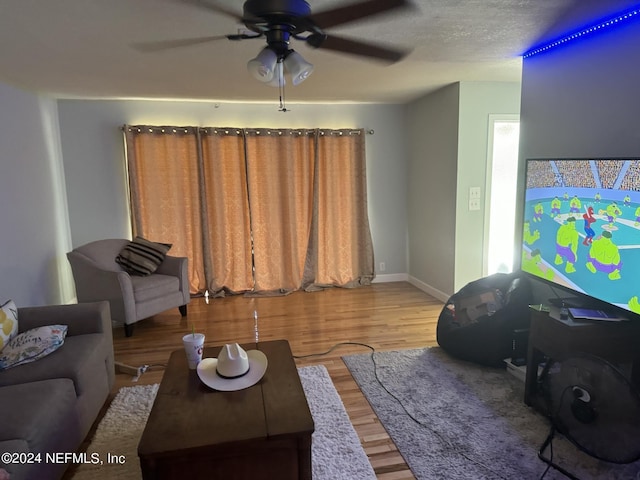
581 227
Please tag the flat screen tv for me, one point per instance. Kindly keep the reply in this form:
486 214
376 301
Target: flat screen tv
581 228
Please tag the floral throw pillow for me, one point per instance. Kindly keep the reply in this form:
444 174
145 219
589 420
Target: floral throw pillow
32 345
8 322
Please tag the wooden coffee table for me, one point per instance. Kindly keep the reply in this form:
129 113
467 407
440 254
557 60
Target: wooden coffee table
262 432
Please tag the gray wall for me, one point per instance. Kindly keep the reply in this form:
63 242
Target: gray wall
34 239
433 169
581 100
92 149
448 139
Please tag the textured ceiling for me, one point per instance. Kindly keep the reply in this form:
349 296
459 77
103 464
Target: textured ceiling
83 48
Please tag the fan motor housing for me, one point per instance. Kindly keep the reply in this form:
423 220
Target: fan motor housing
276 10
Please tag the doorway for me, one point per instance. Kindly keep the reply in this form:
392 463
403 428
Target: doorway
501 191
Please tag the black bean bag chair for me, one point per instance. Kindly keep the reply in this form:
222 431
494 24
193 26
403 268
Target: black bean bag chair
478 322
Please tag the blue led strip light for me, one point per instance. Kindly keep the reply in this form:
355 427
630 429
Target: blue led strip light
627 15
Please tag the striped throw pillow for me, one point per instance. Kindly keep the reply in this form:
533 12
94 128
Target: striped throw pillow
142 257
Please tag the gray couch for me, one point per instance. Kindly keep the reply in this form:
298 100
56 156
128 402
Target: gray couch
50 405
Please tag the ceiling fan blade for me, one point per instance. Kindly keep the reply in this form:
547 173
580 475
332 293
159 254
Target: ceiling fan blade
214 7
355 11
357 47
160 45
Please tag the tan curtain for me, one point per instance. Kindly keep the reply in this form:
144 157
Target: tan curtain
165 192
258 211
280 177
341 249
228 245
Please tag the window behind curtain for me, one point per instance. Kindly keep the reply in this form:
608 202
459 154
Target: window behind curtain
166 204
228 228
257 210
280 178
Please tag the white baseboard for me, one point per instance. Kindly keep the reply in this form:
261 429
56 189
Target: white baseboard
391 277
434 292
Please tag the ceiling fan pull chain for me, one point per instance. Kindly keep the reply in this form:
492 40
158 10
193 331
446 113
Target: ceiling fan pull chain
283 107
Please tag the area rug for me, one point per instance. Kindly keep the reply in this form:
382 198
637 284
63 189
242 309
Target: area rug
465 421
336 452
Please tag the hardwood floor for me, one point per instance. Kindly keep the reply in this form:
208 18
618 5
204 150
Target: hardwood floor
386 316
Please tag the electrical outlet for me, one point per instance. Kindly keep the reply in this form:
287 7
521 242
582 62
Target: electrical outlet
383 267
474 204
474 193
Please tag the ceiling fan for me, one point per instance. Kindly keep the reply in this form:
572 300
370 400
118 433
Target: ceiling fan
277 21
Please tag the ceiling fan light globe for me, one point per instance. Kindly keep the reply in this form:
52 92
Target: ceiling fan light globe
263 66
301 77
298 67
261 73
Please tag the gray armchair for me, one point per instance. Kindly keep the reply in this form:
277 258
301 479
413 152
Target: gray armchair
97 277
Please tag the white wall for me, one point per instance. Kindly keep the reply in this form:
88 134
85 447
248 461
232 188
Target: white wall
95 176
35 236
478 100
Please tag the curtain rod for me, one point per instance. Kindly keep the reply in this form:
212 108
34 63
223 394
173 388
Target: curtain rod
238 130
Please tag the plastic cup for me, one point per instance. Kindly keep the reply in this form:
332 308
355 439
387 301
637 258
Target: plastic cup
193 346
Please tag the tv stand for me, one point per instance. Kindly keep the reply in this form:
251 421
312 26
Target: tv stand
553 337
575 302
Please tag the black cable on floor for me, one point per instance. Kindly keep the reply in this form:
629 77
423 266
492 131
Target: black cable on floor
333 348
399 402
